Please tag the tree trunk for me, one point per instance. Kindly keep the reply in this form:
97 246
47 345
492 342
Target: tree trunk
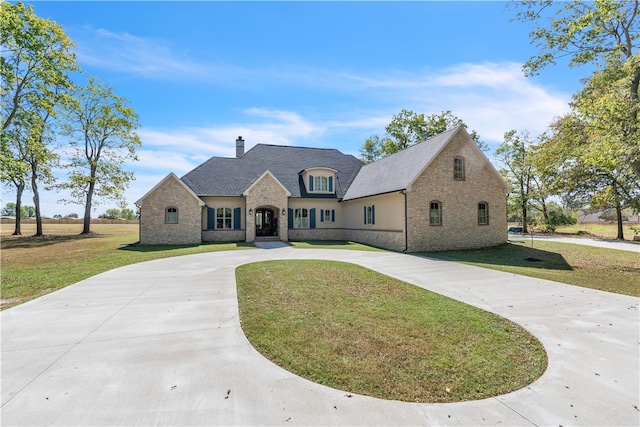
619 215
620 228
36 199
545 213
19 189
86 229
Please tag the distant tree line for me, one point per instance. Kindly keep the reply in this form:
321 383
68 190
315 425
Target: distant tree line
46 111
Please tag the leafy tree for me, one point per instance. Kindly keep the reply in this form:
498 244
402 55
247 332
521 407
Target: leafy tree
71 215
114 213
34 67
603 33
515 154
110 214
9 209
408 128
588 173
101 127
556 217
25 211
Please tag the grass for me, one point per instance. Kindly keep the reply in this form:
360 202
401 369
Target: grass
590 267
34 266
353 329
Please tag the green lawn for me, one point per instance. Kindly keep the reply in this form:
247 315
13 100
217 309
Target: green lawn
591 267
356 330
34 266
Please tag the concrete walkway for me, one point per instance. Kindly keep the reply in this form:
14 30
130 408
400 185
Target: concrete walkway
600 243
160 343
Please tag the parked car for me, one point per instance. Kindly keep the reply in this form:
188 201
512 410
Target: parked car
515 229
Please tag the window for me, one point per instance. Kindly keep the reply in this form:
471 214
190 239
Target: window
458 169
435 213
300 218
483 213
327 215
171 216
370 214
223 218
321 183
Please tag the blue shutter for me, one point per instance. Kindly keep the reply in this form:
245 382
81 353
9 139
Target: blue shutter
312 219
322 215
236 219
365 214
333 215
290 217
310 182
331 184
211 218
373 214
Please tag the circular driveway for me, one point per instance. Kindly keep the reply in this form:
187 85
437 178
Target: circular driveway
160 343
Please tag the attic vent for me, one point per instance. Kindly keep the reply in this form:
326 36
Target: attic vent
239 146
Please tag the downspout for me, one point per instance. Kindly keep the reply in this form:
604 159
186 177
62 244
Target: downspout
406 230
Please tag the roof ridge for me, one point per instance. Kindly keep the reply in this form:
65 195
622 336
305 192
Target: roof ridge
296 146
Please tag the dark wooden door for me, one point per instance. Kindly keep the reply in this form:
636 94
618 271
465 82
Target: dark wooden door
264 222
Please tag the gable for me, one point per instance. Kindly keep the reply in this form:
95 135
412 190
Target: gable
264 180
168 180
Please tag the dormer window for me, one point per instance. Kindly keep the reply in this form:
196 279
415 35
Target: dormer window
321 183
320 180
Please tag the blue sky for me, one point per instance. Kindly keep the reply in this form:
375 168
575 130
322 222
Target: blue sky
315 74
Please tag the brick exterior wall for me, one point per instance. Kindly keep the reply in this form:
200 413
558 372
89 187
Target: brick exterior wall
267 192
459 202
170 194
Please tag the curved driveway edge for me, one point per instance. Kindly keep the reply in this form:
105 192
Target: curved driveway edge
160 343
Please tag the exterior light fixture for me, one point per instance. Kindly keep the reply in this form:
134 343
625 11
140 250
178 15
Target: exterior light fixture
250 211
284 212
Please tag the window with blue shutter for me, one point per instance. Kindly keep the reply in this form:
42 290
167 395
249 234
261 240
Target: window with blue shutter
333 215
321 215
331 184
236 219
310 182
211 218
312 220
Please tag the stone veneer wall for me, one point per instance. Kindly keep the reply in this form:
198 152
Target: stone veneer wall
316 234
267 193
154 230
459 202
223 235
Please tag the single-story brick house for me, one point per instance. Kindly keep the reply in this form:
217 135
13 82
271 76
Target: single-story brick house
437 195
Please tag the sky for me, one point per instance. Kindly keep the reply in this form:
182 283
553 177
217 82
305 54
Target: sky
313 74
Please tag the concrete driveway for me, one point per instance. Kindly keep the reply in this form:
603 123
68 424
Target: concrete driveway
160 343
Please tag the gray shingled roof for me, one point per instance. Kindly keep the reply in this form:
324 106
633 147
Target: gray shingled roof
225 176
397 171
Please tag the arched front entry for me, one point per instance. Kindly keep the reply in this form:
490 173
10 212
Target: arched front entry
266 222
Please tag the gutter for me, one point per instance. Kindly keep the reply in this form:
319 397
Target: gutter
406 221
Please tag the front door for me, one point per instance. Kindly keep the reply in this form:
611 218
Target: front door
265 222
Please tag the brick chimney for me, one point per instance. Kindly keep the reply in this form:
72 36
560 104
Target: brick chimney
239 146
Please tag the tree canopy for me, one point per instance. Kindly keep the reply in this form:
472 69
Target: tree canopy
35 69
408 128
102 130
